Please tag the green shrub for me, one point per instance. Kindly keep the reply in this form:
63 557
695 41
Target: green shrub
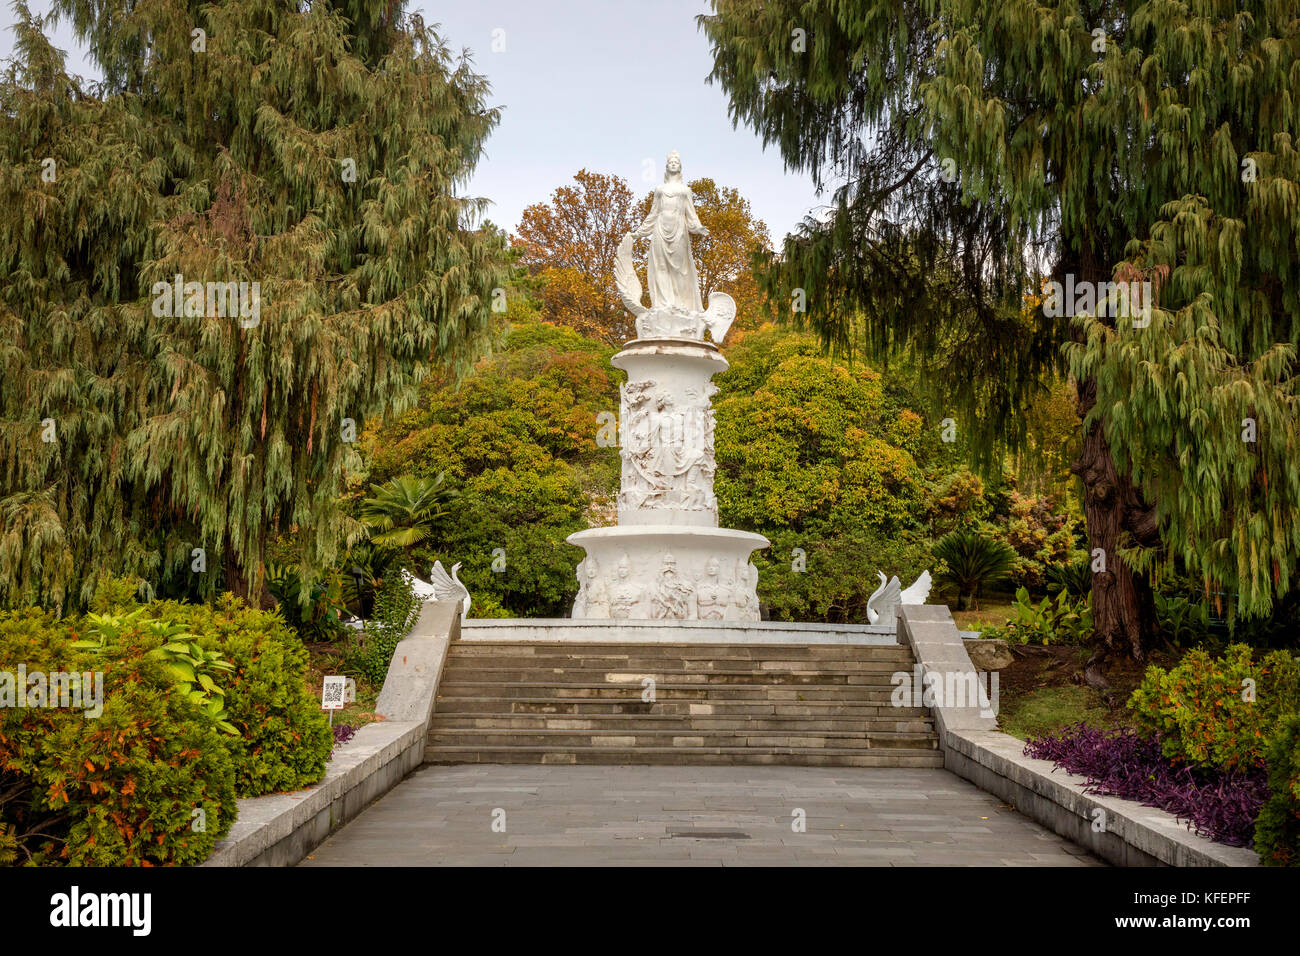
1043 532
195 670
818 456
1180 619
284 737
8 844
1277 829
369 652
837 575
148 781
1221 712
1060 619
312 610
486 605
117 593
526 511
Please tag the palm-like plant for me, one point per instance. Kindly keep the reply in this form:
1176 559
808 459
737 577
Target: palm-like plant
403 510
364 569
1074 579
973 562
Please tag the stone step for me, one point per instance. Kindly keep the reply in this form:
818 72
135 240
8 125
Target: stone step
681 652
581 675
818 709
688 756
812 705
688 666
619 737
664 690
681 723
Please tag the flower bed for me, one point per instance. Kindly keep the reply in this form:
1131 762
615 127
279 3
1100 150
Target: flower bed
1218 804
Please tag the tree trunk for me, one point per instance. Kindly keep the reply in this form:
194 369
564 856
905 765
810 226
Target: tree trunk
1123 611
238 584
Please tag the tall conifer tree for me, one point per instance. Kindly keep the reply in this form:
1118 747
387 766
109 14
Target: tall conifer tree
1145 140
314 152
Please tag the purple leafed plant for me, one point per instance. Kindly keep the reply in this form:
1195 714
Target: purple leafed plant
342 734
1218 805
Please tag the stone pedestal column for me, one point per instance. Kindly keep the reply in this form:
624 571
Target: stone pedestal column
667 558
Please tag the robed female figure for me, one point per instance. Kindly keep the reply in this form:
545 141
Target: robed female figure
670 269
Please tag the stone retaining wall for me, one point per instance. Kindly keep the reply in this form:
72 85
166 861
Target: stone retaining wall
605 631
282 828
1123 832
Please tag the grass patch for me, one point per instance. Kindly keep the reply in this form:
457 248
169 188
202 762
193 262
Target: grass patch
1048 709
988 615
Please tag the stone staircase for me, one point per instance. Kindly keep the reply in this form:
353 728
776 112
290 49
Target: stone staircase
825 705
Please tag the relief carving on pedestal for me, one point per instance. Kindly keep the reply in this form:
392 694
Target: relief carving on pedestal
744 597
713 596
593 598
668 448
623 593
672 597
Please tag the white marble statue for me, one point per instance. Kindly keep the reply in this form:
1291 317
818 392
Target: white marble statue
666 558
670 267
881 606
676 310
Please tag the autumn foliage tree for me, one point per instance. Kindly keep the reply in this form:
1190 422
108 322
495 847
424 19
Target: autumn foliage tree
570 244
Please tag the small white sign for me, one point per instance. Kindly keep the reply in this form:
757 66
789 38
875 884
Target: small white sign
334 693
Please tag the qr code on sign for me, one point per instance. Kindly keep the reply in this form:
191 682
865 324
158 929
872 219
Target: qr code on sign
333 692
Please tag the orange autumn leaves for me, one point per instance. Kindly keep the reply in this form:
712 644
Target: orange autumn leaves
569 244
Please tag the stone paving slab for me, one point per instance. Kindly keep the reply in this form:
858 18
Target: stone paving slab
645 816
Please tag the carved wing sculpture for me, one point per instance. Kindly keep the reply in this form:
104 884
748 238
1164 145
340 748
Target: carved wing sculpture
882 600
422 589
625 280
447 587
883 603
719 315
918 592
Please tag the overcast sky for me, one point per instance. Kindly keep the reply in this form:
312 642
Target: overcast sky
601 84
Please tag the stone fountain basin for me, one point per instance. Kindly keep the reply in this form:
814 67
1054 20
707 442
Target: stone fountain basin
646 546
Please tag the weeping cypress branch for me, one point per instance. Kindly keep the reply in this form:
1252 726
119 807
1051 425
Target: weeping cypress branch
192 430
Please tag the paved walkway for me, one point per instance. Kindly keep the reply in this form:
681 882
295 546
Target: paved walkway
691 816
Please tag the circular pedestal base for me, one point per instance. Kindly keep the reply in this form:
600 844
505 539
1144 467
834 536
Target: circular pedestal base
645 572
